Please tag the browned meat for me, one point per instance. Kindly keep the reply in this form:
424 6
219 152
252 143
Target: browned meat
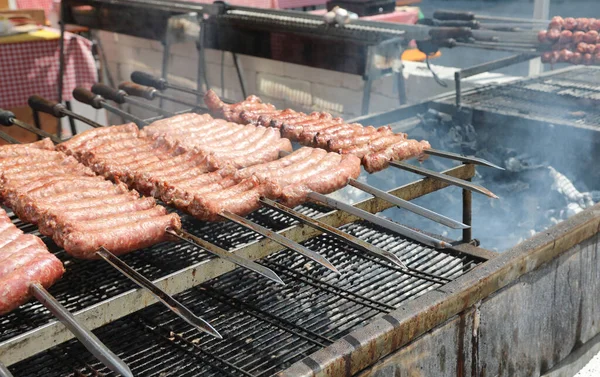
324 181
399 151
76 142
24 260
336 144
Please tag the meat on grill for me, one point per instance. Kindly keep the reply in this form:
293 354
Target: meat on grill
79 210
320 130
24 260
207 191
224 142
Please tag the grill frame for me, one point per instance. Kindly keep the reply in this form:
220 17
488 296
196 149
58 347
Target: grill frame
53 333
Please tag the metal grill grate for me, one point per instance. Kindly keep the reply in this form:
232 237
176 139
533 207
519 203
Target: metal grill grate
89 282
266 327
571 96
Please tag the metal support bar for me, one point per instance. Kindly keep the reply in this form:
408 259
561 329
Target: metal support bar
165 64
467 196
496 64
4 372
239 73
61 61
85 336
457 88
71 120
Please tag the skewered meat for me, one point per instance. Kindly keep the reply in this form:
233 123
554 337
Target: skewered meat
53 198
582 24
379 160
553 35
321 129
578 37
24 260
570 23
542 36
591 37
556 22
566 36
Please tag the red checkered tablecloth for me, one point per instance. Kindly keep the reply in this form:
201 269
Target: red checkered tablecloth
31 67
46 5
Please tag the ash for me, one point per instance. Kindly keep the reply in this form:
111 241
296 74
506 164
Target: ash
534 192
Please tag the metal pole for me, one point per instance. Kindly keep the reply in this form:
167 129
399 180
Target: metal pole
457 88
61 62
467 214
541 11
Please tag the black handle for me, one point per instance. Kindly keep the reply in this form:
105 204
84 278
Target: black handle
85 96
459 23
46 106
147 79
136 90
107 92
6 117
450 32
447 15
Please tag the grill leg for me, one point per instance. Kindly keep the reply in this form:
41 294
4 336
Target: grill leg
36 121
239 73
467 214
71 119
457 79
366 95
165 65
401 85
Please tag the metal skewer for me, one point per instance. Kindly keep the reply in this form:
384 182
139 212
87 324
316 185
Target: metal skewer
444 178
120 96
9 139
4 372
226 255
460 157
280 240
348 238
7 118
150 93
85 336
384 223
162 296
401 203
143 78
98 102
56 109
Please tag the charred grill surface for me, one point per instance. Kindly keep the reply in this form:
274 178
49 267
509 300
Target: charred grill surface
266 327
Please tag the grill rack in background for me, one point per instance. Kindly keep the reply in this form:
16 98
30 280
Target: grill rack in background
266 327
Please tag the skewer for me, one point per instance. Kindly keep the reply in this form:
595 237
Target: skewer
280 240
149 93
470 16
161 295
7 118
384 223
444 178
226 255
120 96
56 109
401 203
342 236
4 372
9 139
98 102
235 259
85 336
460 157
161 84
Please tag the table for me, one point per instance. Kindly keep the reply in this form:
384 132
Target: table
30 64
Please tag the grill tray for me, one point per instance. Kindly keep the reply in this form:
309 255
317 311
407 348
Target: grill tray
266 327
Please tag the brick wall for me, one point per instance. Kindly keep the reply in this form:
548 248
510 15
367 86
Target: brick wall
283 84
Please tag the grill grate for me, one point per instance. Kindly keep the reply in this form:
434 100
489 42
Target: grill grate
86 283
266 327
571 96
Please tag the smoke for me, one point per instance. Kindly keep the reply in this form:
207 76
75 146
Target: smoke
550 175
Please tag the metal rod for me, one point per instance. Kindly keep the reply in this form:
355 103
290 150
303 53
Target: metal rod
401 203
512 19
36 130
239 73
443 177
174 305
467 197
390 225
496 64
280 240
61 61
183 89
335 232
173 99
459 157
85 120
457 88
85 336
6 137
224 254
4 372
125 115
147 106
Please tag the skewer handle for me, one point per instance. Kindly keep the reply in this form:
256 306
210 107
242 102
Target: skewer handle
4 372
107 92
147 79
85 96
6 117
85 336
448 15
137 90
43 105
